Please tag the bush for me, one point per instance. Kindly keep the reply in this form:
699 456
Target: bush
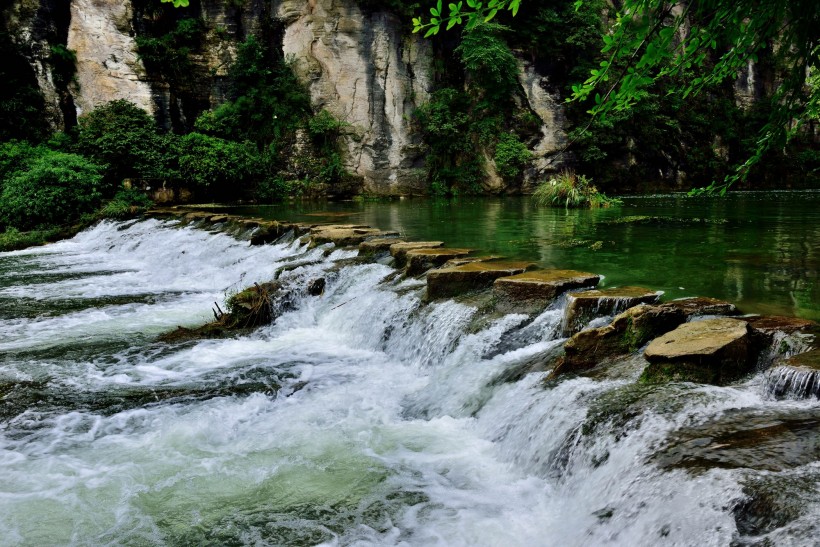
490 61
571 191
53 188
511 155
216 165
127 203
127 140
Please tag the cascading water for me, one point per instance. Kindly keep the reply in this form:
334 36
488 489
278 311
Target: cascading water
363 416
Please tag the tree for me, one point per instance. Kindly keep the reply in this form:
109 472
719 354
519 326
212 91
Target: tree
700 42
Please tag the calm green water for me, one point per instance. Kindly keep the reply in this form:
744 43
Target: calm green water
759 250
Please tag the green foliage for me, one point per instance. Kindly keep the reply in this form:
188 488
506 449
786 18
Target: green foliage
511 155
127 203
126 139
15 156
217 166
169 54
52 188
454 163
489 61
267 101
571 191
64 63
22 106
13 239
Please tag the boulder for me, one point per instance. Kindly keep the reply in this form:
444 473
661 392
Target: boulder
473 276
582 307
419 261
632 329
713 351
538 288
379 245
798 376
268 232
316 287
399 250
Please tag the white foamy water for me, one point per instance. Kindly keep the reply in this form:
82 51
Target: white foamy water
361 417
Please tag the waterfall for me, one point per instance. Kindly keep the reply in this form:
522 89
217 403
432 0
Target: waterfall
362 416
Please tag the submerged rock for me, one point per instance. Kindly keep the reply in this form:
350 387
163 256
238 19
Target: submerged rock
420 260
582 307
713 351
538 288
399 250
798 376
630 330
473 276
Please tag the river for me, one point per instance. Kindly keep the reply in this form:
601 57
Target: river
367 417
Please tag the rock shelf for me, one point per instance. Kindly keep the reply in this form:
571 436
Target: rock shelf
692 339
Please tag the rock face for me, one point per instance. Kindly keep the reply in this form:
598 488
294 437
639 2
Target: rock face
108 68
632 329
548 151
473 276
362 69
538 288
714 351
584 306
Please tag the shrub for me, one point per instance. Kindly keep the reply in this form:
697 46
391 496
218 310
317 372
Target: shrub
571 191
127 140
127 203
489 60
511 155
54 188
215 165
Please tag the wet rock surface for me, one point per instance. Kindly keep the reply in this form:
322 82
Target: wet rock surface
376 246
749 438
399 250
537 289
473 276
630 330
420 260
713 351
796 377
582 307
346 235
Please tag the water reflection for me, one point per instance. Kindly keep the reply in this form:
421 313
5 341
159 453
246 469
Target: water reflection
760 250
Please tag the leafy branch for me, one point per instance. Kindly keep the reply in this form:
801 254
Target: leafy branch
474 13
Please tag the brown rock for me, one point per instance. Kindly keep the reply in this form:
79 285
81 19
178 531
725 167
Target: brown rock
585 306
378 245
538 288
268 232
346 237
399 250
472 276
714 351
420 260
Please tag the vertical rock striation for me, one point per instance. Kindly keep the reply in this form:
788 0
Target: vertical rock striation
365 71
108 68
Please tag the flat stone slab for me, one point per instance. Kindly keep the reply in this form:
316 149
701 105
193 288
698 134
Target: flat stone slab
770 325
540 287
399 250
377 245
467 259
346 237
420 260
713 351
582 307
473 276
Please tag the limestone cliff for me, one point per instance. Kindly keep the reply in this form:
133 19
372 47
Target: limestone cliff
365 71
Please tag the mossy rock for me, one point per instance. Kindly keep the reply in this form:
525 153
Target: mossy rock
473 276
713 351
582 307
537 289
